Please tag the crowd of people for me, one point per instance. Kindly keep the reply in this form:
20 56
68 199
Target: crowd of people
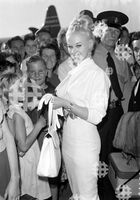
92 69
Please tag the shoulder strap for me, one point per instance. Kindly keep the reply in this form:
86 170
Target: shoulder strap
121 187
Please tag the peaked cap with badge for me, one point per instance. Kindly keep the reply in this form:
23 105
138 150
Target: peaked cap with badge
113 18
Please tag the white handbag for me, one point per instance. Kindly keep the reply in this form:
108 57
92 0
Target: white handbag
50 156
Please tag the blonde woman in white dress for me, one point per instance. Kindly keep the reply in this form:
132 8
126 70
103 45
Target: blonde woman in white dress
83 94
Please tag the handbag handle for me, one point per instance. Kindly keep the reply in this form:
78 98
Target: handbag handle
50 113
53 121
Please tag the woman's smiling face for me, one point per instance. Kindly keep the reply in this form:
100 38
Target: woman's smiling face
37 71
79 46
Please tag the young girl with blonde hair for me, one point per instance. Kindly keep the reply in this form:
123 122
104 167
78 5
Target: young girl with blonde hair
25 134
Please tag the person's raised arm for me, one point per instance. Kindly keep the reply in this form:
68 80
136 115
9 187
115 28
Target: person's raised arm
12 192
77 110
25 141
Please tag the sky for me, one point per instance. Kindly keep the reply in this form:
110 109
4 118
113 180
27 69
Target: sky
16 16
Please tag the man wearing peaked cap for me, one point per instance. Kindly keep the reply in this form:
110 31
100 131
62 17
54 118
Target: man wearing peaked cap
117 70
113 18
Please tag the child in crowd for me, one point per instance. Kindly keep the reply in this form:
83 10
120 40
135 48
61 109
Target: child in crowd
16 46
30 50
7 67
9 172
7 63
30 45
25 135
51 54
43 36
37 71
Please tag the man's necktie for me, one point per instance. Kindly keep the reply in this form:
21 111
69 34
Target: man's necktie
113 77
136 87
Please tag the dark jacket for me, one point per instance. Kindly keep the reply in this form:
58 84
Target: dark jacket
134 102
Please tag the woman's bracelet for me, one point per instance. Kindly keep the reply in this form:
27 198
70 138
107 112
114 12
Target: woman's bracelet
69 107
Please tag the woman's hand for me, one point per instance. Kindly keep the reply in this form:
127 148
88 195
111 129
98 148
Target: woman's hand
59 102
12 191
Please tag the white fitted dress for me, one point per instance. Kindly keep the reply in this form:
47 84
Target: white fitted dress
86 85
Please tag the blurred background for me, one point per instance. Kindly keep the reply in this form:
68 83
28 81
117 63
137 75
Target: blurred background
17 15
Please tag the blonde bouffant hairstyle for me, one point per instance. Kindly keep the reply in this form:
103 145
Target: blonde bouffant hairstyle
80 24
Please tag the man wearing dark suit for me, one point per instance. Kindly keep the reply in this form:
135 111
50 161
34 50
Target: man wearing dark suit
117 70
134 102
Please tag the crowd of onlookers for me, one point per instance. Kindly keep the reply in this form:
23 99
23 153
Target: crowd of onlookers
37 63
